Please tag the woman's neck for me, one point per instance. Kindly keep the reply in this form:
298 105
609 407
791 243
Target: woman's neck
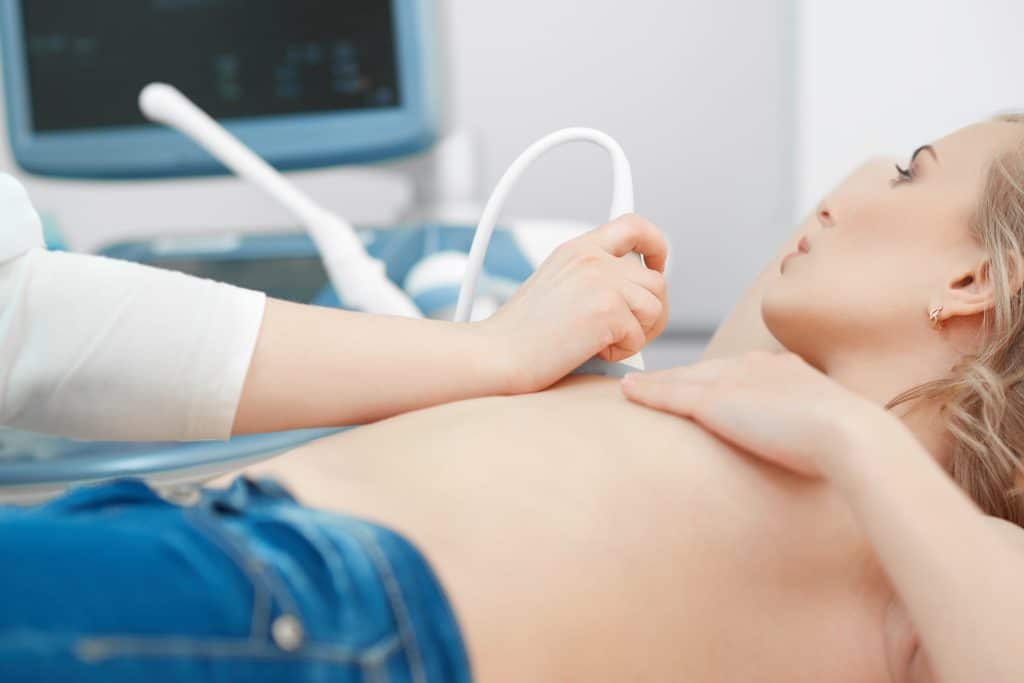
881 376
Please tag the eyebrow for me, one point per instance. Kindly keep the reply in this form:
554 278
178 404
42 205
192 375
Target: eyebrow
924 148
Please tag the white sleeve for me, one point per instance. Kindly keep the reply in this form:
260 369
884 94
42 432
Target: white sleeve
95 348
20 229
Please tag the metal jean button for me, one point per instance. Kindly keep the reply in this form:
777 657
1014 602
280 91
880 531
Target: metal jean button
184 496
287 632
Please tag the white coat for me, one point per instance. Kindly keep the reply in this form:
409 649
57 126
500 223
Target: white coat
95 348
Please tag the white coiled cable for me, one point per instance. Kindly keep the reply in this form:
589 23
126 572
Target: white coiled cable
622 199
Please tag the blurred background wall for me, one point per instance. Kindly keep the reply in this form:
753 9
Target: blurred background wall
700 94
736 114
877 77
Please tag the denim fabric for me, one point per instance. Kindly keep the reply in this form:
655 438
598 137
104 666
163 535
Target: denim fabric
112 583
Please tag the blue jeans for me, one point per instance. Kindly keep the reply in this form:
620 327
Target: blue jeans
112 583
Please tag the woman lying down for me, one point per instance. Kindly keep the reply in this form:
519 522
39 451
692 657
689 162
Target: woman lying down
768 516
792 529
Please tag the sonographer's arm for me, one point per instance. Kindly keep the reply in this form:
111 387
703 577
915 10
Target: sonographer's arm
316 367
96 348
101 349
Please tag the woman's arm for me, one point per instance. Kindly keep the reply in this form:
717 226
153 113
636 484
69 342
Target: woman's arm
314 366
957 572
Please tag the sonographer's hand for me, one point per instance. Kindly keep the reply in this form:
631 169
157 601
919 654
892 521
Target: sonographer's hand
589 298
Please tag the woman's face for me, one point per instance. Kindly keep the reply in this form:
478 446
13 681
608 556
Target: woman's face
885 246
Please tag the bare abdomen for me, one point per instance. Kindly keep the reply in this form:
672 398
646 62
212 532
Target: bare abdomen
581 537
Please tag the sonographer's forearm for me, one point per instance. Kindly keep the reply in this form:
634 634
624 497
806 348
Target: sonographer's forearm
318 367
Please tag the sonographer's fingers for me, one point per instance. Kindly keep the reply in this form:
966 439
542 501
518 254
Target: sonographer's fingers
645 307
651 280
632 233
653 284
585 299
629 335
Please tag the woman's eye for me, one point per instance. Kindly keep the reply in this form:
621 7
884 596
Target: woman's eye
904 175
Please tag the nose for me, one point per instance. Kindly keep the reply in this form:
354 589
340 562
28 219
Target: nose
825 216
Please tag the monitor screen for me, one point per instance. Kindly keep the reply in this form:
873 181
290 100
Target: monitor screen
235 58
292 278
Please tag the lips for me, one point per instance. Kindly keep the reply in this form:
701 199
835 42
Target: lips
802 247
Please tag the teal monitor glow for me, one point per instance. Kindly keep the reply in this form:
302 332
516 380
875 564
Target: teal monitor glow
305 83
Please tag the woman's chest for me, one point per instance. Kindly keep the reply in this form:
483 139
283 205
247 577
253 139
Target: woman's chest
729 569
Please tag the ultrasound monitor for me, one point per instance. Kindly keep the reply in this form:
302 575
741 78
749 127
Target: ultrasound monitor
305 83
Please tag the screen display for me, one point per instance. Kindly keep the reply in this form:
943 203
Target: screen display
87 61
293 278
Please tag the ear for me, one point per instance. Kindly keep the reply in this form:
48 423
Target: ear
972 291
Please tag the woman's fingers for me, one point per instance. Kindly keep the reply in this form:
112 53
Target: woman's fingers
702 373
738 399
661 393
682 390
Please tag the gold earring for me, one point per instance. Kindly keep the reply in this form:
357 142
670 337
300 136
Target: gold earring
933 316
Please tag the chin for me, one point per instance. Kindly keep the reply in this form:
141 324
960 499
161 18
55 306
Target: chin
785 312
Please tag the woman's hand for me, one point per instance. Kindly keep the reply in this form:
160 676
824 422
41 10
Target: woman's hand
773 405
955 571
587 299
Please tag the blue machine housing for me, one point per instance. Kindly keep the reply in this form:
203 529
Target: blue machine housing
287 142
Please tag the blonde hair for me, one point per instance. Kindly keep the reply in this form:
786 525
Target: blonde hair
983 399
